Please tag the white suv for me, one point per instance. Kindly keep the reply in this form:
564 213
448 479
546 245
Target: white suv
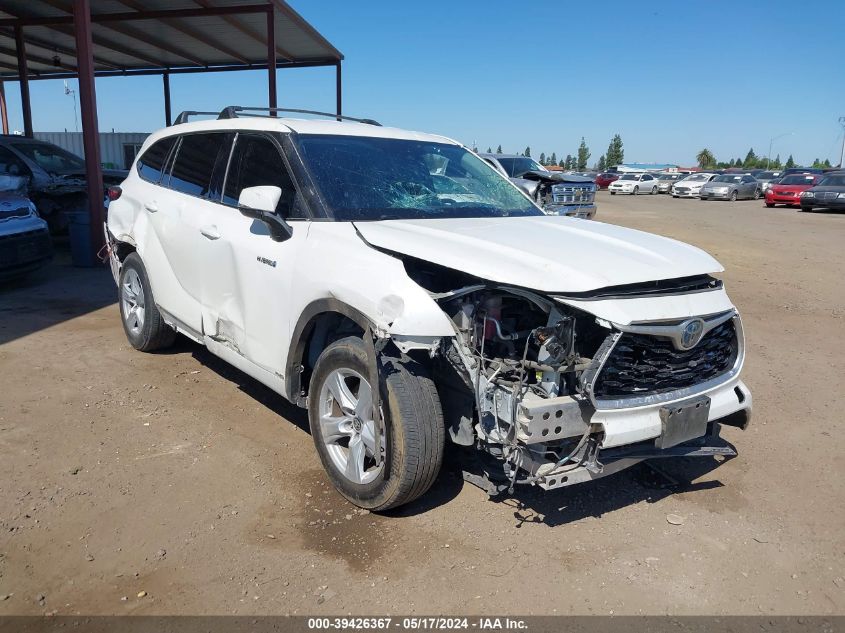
407 294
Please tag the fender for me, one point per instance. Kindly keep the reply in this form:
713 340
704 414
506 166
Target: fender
302 331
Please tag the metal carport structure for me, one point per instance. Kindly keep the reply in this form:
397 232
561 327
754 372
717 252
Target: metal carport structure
84 39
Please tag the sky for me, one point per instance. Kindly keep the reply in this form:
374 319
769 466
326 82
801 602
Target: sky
670 77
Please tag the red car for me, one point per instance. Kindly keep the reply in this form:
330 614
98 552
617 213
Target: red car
603 180
788 190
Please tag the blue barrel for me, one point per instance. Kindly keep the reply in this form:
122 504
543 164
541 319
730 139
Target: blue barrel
81 251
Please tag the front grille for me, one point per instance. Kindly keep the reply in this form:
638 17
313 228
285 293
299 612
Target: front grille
644 365
681 190
22 248
20 212
573 194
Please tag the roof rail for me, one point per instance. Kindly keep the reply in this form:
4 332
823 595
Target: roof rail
183 116
231 112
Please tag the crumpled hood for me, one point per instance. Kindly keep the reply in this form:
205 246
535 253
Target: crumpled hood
544 253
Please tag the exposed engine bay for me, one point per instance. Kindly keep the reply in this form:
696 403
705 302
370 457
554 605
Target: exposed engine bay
520 378
522 359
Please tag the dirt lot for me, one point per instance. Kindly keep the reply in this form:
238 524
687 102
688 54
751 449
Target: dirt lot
174 475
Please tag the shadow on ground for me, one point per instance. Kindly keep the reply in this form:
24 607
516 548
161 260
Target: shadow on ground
54 294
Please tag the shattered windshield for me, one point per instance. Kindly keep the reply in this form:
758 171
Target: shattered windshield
51 158
364 178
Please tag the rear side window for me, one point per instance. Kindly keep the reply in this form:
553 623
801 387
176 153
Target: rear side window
195 158
151 162
256 162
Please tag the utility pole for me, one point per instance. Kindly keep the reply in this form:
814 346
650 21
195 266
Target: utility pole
772 140
842 153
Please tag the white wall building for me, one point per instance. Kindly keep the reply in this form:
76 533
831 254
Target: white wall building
117 149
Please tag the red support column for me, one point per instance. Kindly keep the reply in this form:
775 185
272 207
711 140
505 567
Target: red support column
338 90
271 57
90 131
23 77
4 115
165 77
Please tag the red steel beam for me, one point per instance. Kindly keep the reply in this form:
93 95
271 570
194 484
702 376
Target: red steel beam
338 87
4 115
90 131
23 78
135 15
271 59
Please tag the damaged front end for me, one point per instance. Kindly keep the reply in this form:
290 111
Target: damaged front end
560 194
559 396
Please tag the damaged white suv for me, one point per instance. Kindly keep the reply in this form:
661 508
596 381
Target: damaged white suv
408 294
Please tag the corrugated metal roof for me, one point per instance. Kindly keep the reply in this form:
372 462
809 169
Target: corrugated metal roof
160 43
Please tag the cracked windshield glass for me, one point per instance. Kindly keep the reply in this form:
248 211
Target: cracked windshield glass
361 178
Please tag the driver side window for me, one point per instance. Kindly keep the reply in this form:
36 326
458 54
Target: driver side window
256 162
11 165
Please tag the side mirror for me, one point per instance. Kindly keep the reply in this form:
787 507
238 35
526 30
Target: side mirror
259 203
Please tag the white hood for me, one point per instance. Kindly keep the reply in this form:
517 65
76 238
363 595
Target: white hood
545 253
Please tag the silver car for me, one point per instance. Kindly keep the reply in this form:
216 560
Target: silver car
665 181
731 187
767 179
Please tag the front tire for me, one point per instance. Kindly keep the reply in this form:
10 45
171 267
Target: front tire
653 190
142 322
756 194
636 190
733 196
342 423
769 205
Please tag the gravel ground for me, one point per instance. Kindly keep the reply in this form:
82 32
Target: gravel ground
172 484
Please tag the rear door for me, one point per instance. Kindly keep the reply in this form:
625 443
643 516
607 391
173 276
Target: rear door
247 274
178 208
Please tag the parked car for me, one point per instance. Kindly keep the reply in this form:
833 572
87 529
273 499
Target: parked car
604 179
558 193
731 187
634 184
690 186
788 190
25 242
665 181
802 170
768 178
407 294
829 193
56 178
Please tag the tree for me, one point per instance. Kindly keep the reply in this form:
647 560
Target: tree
489 150
583 154
615 155
776 162
553 159
542 158
527 152
790 162
826 164
731 163
602 165
562 163
705 158
750 159
499 149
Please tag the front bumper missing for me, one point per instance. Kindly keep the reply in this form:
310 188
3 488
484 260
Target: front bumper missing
586 211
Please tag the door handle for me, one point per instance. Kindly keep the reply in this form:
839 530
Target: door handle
152 207
210 231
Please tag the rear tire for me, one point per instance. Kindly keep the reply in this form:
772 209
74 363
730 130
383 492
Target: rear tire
806 209
414 432
142 322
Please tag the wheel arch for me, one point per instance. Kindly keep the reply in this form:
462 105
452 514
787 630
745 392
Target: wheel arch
321 322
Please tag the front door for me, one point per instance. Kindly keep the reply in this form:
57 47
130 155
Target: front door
247 275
